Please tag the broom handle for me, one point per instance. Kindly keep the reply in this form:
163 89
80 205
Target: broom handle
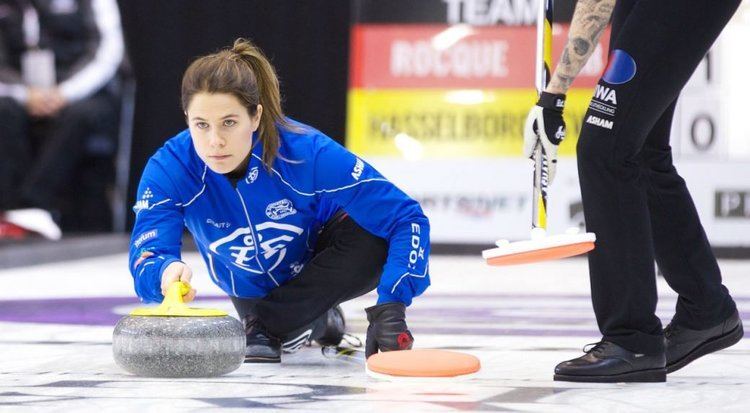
543 74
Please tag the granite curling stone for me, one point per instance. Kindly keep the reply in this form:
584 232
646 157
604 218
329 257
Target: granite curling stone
174 340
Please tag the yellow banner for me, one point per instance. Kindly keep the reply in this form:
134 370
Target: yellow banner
433 123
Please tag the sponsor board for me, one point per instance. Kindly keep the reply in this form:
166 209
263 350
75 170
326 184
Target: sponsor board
701 114
435 124
442 56
698 124
472 12
486 12
732 203
722 198
420 91
480 200
477 201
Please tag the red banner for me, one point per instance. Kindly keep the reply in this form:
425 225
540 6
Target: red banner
459 57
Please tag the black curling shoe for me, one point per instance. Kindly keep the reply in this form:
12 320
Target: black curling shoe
606 362
262 347
333 328
685 345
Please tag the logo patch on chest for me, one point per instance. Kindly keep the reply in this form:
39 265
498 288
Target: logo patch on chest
280 209
239 245
253 175
220 225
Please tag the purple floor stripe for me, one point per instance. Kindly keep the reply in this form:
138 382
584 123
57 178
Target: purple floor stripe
99 311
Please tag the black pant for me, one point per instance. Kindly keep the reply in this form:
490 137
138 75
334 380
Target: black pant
348 262
633 198
38 157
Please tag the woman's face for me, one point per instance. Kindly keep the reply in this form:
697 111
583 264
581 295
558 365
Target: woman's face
222 130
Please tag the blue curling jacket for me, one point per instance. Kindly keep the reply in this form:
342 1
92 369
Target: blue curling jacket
260 234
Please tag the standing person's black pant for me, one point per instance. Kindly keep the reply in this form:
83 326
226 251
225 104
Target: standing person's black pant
348 262
633 198
34 169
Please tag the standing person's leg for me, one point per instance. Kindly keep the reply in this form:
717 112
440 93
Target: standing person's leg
15 152
682 249
348 262
619 16
706 318
653 57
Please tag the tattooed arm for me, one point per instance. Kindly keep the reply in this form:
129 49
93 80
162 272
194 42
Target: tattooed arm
589 21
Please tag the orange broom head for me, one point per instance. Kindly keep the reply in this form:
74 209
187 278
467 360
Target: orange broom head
539 249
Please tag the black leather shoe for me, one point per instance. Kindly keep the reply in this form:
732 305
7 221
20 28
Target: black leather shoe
261 346
333 328
607 362
685 345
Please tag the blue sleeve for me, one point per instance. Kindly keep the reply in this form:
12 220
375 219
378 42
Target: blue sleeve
385 211
157 235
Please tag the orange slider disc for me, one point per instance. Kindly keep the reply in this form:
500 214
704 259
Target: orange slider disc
421 363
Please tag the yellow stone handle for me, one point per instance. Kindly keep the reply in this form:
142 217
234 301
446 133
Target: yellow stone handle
174 306
175 293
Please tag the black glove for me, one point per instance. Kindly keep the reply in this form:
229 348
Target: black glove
545 124
387 330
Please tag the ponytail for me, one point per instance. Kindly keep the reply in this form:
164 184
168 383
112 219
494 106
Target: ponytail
245 72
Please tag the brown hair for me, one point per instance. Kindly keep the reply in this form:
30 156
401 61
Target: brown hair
245 72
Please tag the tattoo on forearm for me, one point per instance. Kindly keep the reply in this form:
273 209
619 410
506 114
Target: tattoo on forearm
607 8
565 59
589 21
580 46
599 23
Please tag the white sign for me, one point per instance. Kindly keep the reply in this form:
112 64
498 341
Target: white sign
477 201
